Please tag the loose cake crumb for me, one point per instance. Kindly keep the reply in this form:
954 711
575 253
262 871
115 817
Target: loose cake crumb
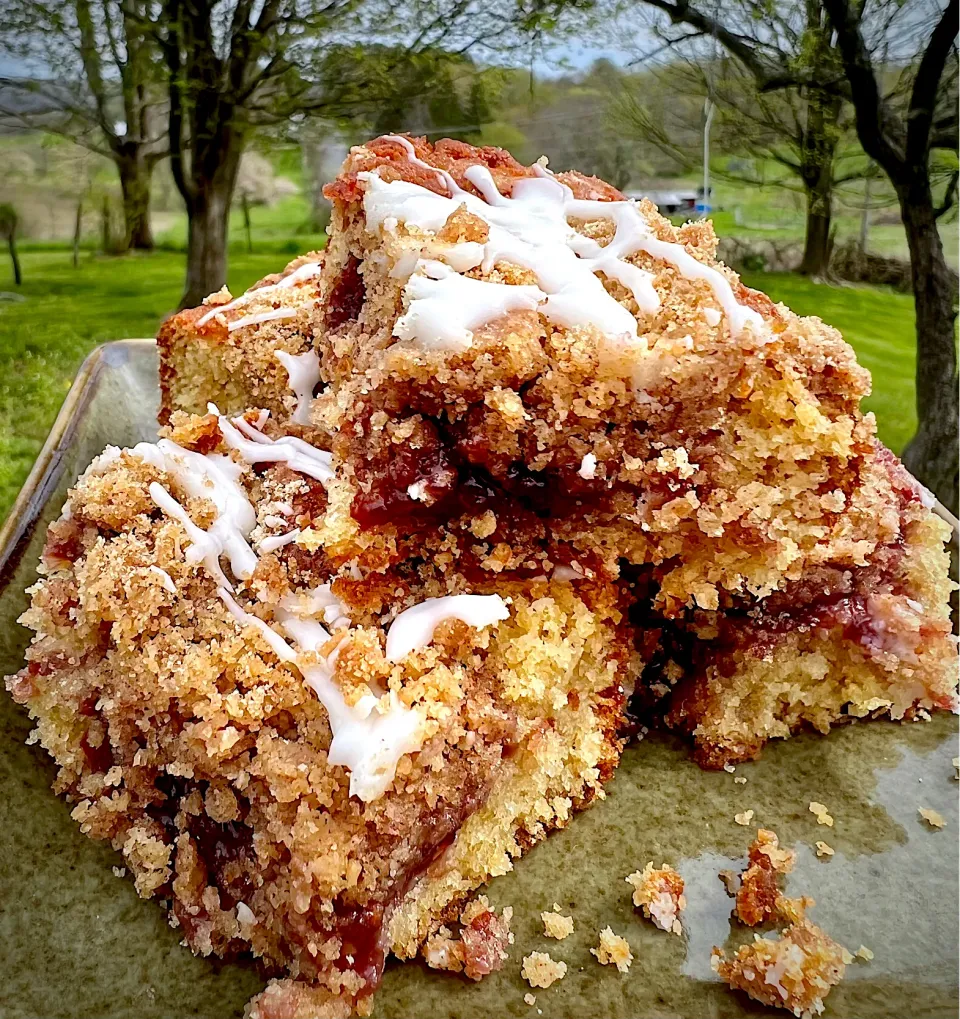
539 970
744 818
119 871
759 897
795 971
956 764
864 953
740 780
556 925
932 817
530 999
613 950
658 892
482 946
821 813
729 768
824 850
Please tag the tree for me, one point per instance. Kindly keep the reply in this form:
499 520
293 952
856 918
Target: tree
233 67
904 111
901 142
776 97
97 85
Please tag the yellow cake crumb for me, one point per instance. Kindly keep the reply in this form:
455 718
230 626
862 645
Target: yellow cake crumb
613 950
539 970
820 811
744 818
740 780
824 850
864 953
530 999
956 764
556 925
934 818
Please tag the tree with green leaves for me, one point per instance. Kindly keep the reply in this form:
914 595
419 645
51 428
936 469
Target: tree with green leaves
234 67
95 78
895 62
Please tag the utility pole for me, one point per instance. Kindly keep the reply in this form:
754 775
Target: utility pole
703 206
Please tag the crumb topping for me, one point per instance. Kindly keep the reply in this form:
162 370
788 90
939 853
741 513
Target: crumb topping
556 925
795 971
820 812
933 818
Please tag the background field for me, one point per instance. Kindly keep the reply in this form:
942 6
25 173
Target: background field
66 312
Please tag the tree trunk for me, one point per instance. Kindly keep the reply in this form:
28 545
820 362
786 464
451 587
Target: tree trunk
105 238
214 166
77 226
135 173
931 455
816 244
245 205
818 150
209 220
12 244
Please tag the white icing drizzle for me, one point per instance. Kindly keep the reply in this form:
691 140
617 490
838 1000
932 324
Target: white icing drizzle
165 578
369 737
712 316
414 627
274 541
588 467
278 645
306 271
437 288
264 316
245 914
317 601
303 372
531 229
255 447
214 477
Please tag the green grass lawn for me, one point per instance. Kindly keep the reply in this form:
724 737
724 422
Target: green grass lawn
879 324
69 311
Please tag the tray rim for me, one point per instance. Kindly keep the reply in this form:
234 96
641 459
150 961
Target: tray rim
16 530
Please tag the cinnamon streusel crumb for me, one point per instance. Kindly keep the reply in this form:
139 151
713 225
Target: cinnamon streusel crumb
556 925
795 971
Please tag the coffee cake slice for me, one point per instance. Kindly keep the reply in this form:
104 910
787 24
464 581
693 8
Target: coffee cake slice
300 763
254 350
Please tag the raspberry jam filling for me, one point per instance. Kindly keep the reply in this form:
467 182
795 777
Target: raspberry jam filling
347 296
